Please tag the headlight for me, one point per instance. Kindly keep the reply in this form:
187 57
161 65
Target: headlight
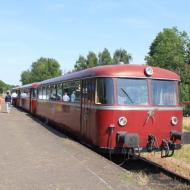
149 71
174 120
122 121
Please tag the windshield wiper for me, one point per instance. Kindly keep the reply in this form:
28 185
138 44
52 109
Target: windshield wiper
127 95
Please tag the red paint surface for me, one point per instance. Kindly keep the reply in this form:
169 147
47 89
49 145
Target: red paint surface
160 126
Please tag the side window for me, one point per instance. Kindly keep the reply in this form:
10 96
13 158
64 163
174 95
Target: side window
40 93
77 92
48 92
25 93
59 92
53 93
104 91
89 91
72 91
22 93
44 97
19 93
34 93
66 92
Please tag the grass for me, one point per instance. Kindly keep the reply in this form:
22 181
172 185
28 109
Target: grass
186 123
139 178
184 152
186 128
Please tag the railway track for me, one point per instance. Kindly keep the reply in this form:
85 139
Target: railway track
158 177
168 172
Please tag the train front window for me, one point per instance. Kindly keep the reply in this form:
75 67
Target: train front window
132 91
164 93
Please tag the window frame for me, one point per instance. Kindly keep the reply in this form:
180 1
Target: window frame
176 93
96 91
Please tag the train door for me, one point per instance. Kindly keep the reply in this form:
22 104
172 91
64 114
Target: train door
87 112
33 100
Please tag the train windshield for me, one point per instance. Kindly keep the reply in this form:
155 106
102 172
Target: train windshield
132 91
164 93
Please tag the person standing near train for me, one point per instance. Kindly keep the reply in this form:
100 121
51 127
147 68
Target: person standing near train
8 102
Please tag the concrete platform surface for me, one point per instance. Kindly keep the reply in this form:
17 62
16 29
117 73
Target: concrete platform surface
36 157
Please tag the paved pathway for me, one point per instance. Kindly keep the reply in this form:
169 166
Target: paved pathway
36 157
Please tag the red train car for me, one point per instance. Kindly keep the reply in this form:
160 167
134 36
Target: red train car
117 108
26 97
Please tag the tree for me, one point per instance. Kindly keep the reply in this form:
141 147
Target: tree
105 57
121 55
186 44
167 50
42 69
4 87
171 50
92 60
80 64
84 63
45 68
26 77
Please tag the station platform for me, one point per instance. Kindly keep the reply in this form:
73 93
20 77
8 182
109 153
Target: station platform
35 156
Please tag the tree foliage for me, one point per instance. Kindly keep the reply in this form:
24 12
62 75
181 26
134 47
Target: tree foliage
84 63
103 58
121 55
42 69
168 50
91 60
26 77
80 63
171 50
4 87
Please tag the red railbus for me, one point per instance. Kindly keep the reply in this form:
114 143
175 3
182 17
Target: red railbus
117 108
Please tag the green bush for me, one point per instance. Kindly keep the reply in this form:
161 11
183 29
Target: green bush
186 110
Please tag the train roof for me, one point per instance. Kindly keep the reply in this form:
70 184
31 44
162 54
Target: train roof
32 85
125 70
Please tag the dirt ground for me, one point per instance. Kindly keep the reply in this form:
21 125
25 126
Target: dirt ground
37 157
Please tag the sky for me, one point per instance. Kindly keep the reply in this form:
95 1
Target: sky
65 29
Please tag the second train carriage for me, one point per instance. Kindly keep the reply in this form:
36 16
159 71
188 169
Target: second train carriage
26 97
116 107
